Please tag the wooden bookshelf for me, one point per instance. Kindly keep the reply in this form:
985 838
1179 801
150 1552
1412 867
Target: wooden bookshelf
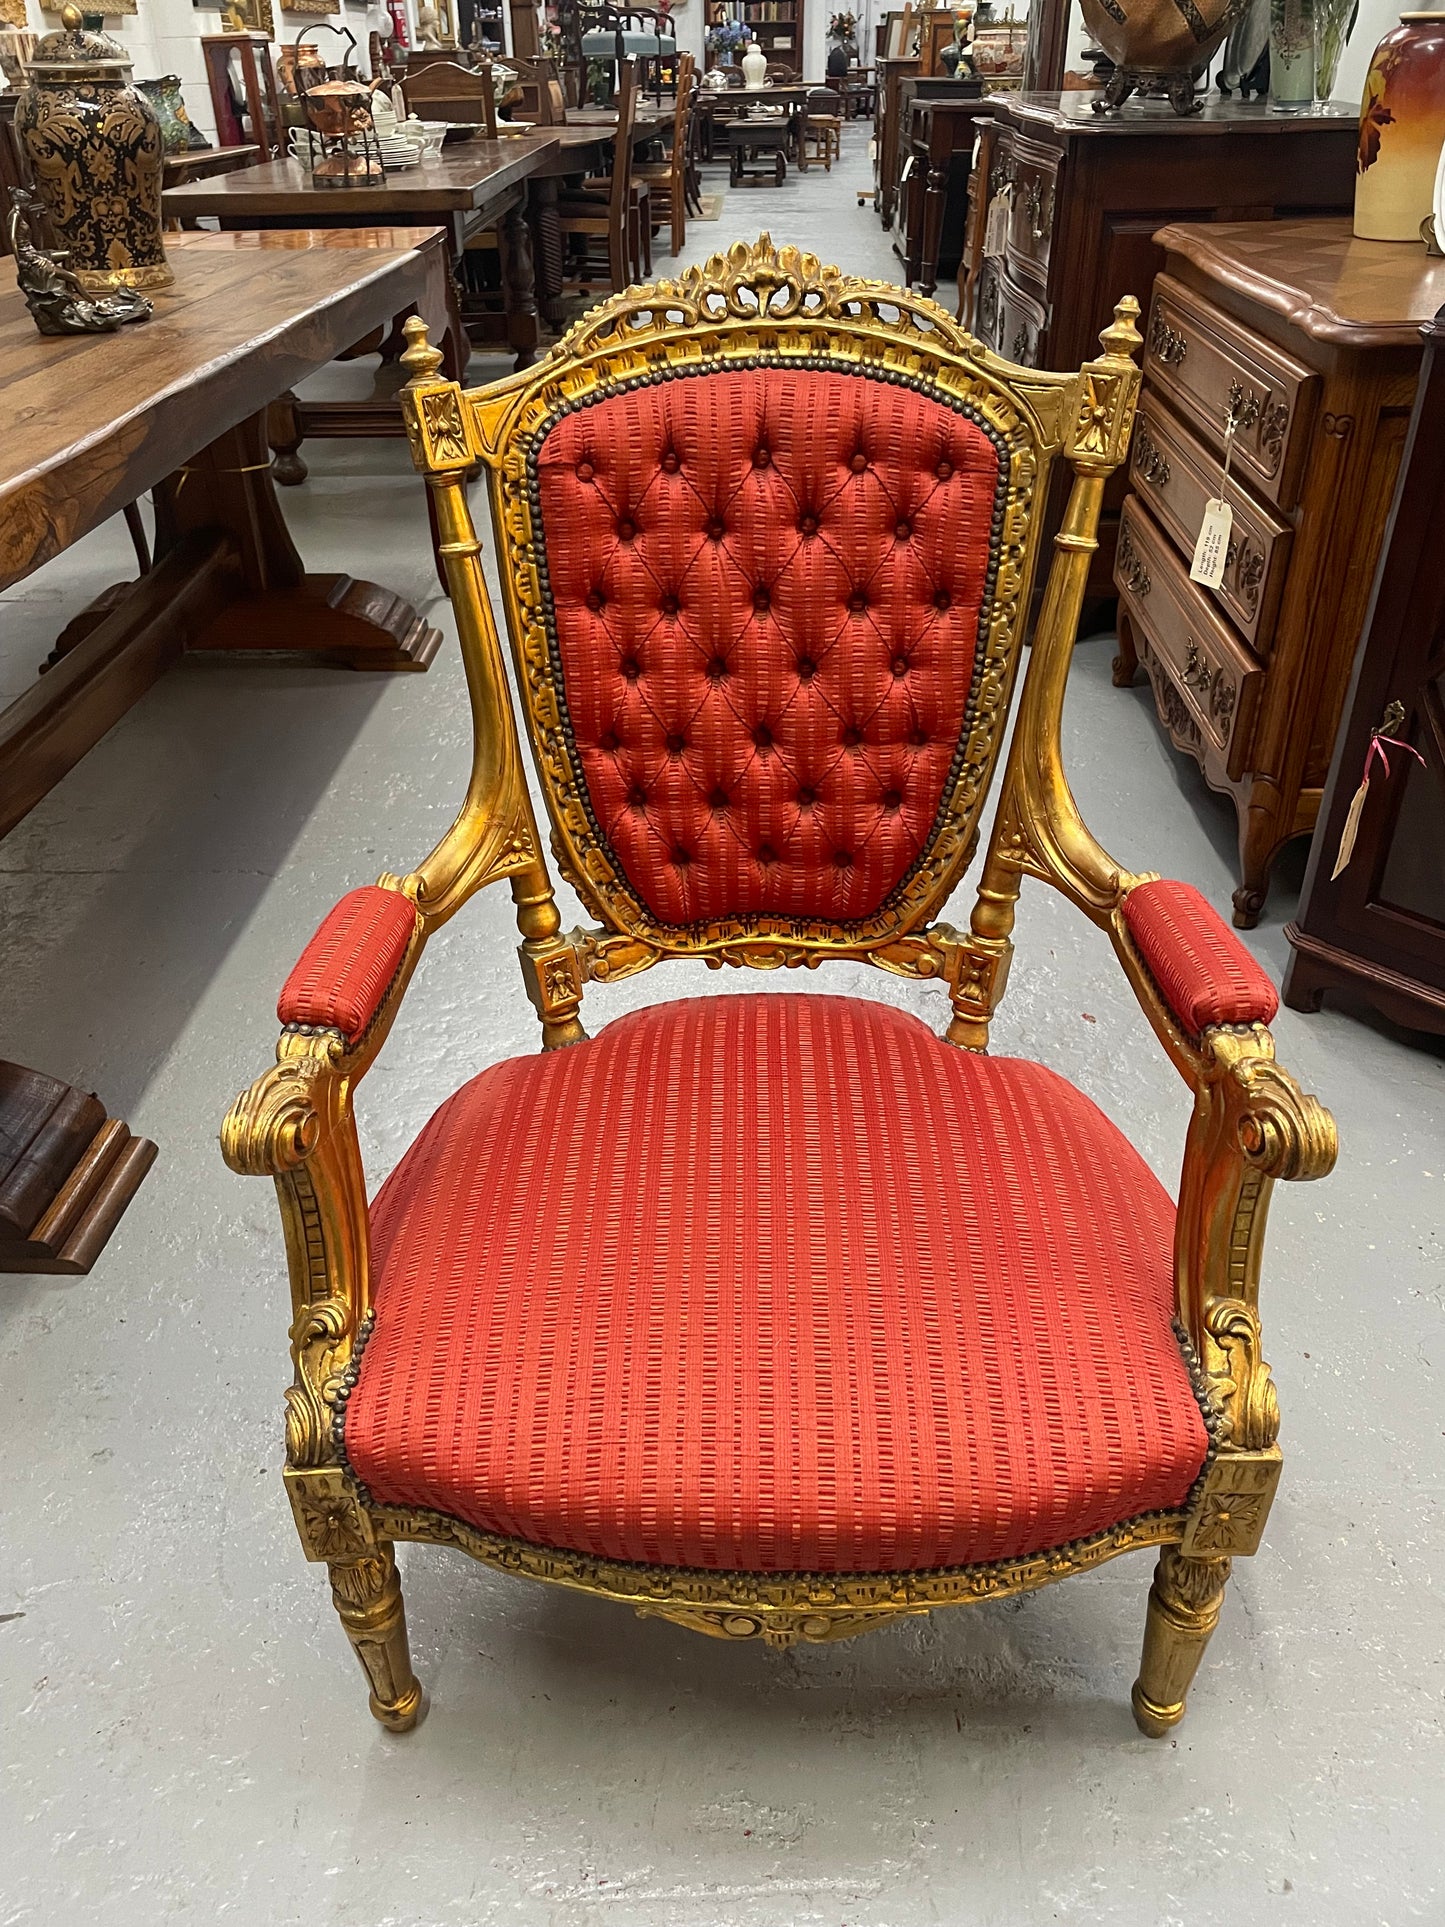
776 25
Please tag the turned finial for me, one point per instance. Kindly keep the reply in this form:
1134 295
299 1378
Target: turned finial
1121 337
421 361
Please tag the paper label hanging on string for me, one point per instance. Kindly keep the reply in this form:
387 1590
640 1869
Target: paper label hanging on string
1351 829
1211 551
995 230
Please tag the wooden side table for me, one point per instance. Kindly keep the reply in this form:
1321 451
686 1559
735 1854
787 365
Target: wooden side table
1309 341
940 150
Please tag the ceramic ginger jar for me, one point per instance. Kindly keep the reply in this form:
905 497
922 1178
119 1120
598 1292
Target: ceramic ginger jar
1402 126
755 65
95 150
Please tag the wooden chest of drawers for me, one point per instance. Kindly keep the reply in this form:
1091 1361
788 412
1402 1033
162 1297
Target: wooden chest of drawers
1084 196
1308 340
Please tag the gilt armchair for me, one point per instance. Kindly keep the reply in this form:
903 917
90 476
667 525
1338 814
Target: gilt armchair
775 1316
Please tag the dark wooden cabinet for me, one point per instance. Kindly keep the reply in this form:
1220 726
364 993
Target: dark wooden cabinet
888 131
935 185
1377 931
1309 341
1085 196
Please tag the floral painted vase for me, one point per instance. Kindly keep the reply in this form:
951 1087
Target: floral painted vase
95 151
1402 125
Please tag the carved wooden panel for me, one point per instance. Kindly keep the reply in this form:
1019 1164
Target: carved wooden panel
1176 475
1215 677
1213 370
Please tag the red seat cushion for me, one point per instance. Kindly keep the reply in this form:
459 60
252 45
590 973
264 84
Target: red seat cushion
769 1283
1206 974
765 587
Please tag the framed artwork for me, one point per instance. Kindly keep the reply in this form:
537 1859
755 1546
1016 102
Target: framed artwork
12 13
310 6
109 6
900 33
248 16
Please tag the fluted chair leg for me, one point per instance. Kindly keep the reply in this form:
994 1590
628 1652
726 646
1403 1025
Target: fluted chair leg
367 1595
1184 1603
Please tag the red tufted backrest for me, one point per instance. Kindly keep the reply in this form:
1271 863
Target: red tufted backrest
766 591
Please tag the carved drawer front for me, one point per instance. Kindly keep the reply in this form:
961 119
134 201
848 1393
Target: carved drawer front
1031 210
1206 683
1021 323
988 311
1176 476
1210 369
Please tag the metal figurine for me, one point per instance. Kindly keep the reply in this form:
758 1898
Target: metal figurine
52 293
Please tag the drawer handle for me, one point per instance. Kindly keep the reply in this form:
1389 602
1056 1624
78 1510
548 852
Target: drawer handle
1135 575
1215 687
1021 349
1248 410
1034 209
1166 343
1150 462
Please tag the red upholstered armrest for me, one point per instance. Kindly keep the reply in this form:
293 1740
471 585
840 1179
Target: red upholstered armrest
1206 974
343 972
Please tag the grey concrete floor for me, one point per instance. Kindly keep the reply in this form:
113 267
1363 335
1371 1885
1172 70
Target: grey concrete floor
186 1734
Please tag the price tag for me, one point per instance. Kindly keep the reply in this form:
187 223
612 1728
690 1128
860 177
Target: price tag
995 228
1211 551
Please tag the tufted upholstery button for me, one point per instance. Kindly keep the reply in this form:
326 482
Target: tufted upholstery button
807 798
852 737
807 525
717 528
717 669
766 853
891 800
609 740
626 530
584 471
943 471
859 463
917 738
631 668
637 797
842 859
857 602
681 858
903 531
671 462
761 458
943 600
668 605
762 601
719 798
763 737
595 601
806 668
676 744
900 665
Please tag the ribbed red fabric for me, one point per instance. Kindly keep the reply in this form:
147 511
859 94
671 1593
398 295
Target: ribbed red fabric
766 586
774 1283
1206 974
342 974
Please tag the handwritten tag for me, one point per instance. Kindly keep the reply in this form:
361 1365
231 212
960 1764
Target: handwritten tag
995 229
1211 551
1351 829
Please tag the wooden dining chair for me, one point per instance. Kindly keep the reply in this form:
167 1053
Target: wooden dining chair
612 214
777 1316
820 129
446 90
669 177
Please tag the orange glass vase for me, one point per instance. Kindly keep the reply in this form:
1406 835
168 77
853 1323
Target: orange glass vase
1402 128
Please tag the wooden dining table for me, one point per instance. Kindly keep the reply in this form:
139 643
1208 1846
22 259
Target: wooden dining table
731 103
174 405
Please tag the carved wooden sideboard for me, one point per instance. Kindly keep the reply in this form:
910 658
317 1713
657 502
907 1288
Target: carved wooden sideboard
1085 193
1310 342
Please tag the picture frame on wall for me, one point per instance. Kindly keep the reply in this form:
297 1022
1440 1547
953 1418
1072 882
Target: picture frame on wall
250 16
900 33
310 6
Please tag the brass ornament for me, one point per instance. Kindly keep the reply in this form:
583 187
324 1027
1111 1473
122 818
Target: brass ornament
1251 1124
